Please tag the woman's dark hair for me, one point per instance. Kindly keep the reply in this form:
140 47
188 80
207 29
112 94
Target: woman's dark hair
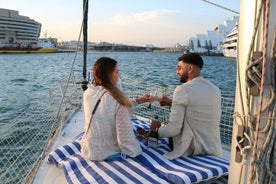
102 72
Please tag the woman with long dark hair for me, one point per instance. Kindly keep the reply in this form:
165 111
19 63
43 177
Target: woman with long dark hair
108 127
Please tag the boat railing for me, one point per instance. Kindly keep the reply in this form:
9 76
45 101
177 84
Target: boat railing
134 88
25 140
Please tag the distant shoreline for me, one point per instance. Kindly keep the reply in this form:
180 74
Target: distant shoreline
154 51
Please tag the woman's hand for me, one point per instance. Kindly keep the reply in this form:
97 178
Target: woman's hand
145 98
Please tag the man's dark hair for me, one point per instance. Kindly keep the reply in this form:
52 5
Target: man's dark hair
192 58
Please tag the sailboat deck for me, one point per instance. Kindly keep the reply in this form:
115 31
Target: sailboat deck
149 167
38 126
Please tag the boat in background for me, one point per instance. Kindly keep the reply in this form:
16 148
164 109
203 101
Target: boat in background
44 45
47 45
230 43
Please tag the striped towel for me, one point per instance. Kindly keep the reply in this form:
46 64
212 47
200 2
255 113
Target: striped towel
149 167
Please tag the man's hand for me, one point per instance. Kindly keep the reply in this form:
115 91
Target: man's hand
165 101
154 125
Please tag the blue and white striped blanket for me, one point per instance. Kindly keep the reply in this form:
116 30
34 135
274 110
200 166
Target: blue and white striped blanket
149 167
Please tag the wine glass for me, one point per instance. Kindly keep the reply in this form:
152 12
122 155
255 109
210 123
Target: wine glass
153 94
160 92
163 91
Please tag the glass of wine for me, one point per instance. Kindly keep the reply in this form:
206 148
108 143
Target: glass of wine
153 94
160 92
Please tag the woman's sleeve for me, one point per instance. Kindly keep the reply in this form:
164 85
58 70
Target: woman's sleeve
125 135
134 104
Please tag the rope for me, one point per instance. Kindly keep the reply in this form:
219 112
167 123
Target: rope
267 157
72 66
273 63
59 110
256 26
254 153
221 7
266 163
248 122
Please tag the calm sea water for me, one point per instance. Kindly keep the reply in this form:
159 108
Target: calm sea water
26 78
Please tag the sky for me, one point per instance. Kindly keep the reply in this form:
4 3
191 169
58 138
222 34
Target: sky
162 23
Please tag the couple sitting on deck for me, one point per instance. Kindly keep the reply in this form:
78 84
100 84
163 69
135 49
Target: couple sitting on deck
193 124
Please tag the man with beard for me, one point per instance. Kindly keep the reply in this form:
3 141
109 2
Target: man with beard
193 126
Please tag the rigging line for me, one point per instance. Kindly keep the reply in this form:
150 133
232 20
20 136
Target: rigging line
71 69
258 121
249 99
228 9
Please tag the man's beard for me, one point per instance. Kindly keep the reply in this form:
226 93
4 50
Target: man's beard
184 78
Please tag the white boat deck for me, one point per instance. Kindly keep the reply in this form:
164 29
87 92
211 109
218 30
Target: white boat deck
49 173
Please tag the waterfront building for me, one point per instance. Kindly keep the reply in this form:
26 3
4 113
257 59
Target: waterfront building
17 31
212 41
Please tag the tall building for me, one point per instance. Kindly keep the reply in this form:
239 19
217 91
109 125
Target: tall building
17 31
213 40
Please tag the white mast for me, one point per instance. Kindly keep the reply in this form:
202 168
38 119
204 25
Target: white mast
251 115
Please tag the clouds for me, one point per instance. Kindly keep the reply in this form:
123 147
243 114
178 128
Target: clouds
143 17
158 22
147 27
